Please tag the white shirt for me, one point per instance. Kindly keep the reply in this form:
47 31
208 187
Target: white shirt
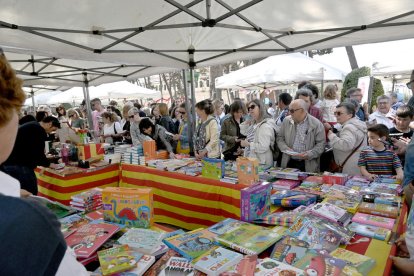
110 130
271 111
69 266
327 108
382 118
9 186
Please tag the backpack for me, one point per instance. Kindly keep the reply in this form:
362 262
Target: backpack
200 135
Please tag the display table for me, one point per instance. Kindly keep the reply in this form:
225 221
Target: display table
185 201
55 186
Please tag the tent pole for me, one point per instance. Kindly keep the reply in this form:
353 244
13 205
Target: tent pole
87 101
189 110
33 101
193 99
323 76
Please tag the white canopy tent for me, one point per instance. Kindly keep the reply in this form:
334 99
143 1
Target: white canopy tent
279 70
123 90
42 98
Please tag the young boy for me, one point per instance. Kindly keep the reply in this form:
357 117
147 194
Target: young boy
404 116
377 159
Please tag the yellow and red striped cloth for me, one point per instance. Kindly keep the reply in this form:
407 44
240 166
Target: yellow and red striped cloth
61 188
186 201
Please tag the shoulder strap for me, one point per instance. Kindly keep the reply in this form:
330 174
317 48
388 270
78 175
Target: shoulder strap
115 129
355 149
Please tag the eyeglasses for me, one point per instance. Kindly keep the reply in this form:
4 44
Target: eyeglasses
291 111
338 113
182 112
409 84
251 107
383 103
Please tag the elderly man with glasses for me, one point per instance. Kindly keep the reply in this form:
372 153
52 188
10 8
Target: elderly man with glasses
384 114
301 138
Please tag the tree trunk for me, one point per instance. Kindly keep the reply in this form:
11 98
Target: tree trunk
215 72
162 95
351 57
168 84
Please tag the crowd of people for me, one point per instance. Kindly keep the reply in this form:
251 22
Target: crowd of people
296 132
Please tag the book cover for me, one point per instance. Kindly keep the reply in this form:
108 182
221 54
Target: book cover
374 220
250 239
331 212
213 168
285 184
116 259
356 263
246 267
285 218
143 264
370 231
142 240
89 195
161 263
389 200
382 210
289 250
225 225
255 201
192 244
216 260
269 266
320 263
350 206
94 215
89 237
317 235
55 207
130 206
288 198
70 224
177 266
344 232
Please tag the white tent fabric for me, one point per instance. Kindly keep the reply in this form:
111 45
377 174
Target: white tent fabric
123 89
279 70
73 95
171 34
42 98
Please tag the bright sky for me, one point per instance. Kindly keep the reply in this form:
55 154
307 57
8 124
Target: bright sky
393 55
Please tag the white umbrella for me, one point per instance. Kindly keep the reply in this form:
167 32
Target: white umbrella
123 89
74 94
41 98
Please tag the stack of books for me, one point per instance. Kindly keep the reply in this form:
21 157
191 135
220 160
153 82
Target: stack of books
87 201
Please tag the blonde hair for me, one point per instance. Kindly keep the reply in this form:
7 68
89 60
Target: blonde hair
330 92
12 96
72 112
112 116
163 107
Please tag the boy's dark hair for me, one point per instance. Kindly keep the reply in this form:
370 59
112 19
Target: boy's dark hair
50 119
380 129
405 111
40 115
145 124
285 98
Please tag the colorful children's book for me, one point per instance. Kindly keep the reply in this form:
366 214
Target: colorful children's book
216 260
288 253
224 226
288 198
269 266
156 269
251 239
317 235
144 263
94 215
192 244
382 210
116 259
89 237
285 218
143 240
177 266
320 263
129 206
356 263
370 231
246 267
55 207
70 224
332 213
350 206
389 200
285 184
255 201
213 168
374 220
344 232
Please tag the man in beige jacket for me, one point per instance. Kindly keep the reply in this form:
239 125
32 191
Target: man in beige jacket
301 138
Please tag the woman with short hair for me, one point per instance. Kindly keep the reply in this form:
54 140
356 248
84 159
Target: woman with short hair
156 133
112 131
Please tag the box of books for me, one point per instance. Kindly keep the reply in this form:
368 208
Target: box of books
247 170
129 206
255 201
87 151
149 148
213 168
116 259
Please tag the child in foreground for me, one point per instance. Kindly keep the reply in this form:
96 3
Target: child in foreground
376 159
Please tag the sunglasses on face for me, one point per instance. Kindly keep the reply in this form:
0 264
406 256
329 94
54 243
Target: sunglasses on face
132 116
251 107
182 112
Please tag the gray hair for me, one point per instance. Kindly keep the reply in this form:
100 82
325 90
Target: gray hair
304 105
351 91
133 111
383 97
305 92
348 106
353 102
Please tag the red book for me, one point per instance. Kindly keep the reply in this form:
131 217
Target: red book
88 238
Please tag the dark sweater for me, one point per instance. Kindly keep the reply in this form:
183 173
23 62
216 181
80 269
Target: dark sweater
29 148
32 243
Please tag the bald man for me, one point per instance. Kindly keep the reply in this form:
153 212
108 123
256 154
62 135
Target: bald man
301 138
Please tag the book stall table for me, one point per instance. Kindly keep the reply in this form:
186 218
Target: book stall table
185 201
60 187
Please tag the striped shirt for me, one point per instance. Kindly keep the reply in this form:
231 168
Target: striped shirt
379 162
299 144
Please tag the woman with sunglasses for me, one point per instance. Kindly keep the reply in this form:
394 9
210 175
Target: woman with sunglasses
183 144
134 119
349 141
261 134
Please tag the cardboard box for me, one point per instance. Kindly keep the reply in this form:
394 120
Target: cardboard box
149 149
247 170
334 178
87 151
255 201
213 168
130 206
